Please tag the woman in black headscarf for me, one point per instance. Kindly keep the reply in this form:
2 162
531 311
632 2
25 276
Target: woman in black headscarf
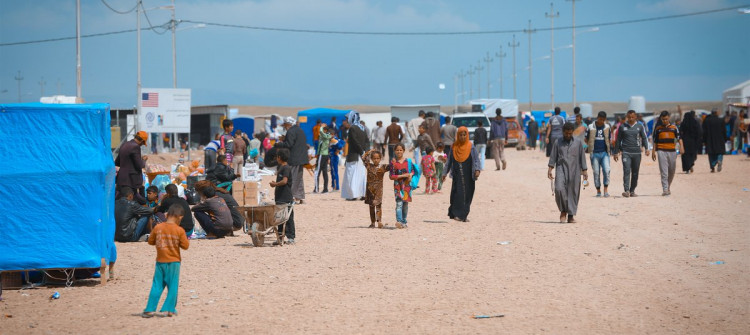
690 132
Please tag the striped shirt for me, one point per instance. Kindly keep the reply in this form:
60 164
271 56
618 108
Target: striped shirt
666 137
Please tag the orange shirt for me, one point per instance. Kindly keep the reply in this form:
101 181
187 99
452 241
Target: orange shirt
316 132
168 238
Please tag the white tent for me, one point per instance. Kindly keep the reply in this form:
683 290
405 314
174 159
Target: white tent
738 94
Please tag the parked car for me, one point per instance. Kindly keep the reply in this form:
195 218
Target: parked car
470 121
514 131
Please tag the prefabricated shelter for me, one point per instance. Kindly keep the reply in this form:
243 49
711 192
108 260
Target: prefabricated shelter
408 112
59 192
246 123
736 97
488 107
307 119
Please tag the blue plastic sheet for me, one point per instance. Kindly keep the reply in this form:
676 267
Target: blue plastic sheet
57 180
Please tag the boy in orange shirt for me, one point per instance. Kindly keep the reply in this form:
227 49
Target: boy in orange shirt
168 237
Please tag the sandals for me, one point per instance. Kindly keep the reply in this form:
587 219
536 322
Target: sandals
563 217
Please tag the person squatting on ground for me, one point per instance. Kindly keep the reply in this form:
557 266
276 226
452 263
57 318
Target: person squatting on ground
168 238
598 138
429 171
498 138
402 171
568 160
374 192
554 130
631 137
666 137
323 143
172 198
222 174
463 167
283 192
213 214
131 219
238 220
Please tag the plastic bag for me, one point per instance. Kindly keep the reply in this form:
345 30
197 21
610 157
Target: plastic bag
161 181
192 196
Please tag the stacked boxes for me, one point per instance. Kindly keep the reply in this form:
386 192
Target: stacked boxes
246 192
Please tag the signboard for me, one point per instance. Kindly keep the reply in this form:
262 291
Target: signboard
164 110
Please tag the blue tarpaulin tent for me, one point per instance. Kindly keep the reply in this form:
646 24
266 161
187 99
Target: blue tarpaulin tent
57 181
307 119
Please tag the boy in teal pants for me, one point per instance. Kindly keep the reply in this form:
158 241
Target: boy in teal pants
168 237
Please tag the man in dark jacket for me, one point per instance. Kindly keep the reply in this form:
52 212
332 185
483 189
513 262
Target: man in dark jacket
296 142
131 219
131 166
499 138
221 173
714 137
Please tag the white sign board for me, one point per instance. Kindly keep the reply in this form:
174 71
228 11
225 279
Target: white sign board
164 110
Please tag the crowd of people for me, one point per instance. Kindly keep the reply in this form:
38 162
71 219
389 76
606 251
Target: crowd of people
437 152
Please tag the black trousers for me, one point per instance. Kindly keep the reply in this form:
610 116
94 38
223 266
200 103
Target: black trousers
289 226
631 165
321 168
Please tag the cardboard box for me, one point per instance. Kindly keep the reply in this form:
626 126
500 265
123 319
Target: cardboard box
238 189
251 195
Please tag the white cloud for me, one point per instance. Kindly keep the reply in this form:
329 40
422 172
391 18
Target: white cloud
681 6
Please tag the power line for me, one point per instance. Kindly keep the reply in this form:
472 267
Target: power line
312 31
117 11
149 21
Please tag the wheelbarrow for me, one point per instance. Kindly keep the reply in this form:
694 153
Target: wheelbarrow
266 219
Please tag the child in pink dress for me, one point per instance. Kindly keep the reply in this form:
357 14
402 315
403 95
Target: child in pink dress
429 171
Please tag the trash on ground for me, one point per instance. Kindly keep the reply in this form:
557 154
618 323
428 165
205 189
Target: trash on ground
488 316
695 256
55 295
717 263
504 242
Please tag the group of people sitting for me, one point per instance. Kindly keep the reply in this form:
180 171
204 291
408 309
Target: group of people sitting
217 213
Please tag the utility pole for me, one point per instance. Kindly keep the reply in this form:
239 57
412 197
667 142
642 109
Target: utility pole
138 7
514 45
530 31
479 79
471 82
500 55
487 61
574 51
19 78
552 15
78 52
41 84
174 53
462 75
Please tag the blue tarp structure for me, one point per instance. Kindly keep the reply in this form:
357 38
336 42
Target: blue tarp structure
307 119
246 124
57 180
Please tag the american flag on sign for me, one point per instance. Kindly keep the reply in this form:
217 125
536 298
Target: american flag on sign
150 99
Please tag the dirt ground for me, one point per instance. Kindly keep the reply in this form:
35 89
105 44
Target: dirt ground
637 265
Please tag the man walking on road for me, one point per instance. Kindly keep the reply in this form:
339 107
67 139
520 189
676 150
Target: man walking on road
413 128
666 137
569 162
498 138
393 135
597 137
448 134
554 130
714 137
631 137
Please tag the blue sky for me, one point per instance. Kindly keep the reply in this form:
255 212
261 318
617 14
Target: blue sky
684 59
